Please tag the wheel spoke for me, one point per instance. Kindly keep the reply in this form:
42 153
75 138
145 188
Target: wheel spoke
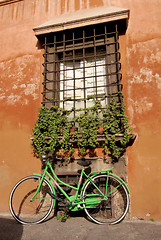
28 209
110 210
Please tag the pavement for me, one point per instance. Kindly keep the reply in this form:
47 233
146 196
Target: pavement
79 228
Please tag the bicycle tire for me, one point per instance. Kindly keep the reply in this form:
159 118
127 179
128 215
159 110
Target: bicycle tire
110 211
31 212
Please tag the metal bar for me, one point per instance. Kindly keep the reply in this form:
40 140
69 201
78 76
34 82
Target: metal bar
44 82
84 55
106 61
81 39
54 70
95 60
63 64
89 45
109 85
86 46
74 70
89 56
102 75
118 67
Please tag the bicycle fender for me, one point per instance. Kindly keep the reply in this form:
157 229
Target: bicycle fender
95 173
92 175
104 172
37 174
121 181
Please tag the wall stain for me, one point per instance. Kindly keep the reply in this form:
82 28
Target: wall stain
47 5
21 80
142 105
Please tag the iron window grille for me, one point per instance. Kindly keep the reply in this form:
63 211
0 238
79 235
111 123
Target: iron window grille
79 63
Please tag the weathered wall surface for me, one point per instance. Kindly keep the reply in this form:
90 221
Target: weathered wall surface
142 89
20 88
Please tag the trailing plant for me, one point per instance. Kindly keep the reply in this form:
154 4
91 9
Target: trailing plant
58 132
115 123
88 123
62 216
51 125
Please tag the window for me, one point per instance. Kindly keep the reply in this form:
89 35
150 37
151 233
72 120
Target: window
79 63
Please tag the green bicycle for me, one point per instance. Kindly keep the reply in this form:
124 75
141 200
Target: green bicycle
102 195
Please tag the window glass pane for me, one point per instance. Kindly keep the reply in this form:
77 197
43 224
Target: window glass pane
72 82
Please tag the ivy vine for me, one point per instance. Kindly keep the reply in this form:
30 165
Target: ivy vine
88 123
115 123
56 131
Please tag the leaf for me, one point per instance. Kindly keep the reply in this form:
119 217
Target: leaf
53 128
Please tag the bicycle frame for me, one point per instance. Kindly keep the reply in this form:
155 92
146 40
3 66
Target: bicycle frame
77 198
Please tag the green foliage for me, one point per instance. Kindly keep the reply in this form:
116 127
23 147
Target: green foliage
55 129
152 220
115 123
62 216
88 123
51 125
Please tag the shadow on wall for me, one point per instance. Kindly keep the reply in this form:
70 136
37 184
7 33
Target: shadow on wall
10 229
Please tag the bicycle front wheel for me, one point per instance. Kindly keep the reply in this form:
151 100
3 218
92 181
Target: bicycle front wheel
110 210
25 210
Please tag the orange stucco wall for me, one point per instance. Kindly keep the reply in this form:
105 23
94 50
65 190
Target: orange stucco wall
143 95
20 93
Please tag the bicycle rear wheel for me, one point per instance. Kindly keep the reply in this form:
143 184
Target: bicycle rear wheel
23 209
112 210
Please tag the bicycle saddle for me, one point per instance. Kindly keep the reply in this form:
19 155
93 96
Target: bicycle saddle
84 163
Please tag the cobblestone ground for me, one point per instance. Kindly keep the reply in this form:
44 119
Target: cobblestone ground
78 228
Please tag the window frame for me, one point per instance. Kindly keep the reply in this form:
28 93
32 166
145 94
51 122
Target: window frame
65 45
